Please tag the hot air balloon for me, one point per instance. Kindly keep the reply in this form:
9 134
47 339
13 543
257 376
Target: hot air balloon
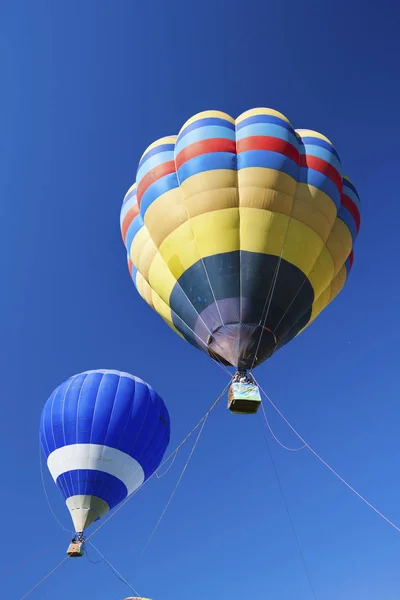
103 434
240 232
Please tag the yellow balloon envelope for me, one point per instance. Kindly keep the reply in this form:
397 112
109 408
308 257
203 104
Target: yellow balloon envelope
240 232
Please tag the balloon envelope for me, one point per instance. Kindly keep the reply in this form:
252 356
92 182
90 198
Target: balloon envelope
240 232
103 433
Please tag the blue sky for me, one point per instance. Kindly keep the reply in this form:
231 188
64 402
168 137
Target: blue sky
86 86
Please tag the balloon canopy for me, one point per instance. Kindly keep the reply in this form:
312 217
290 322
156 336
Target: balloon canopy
103 434
240 232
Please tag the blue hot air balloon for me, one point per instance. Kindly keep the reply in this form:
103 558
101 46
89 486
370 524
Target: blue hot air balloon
103 434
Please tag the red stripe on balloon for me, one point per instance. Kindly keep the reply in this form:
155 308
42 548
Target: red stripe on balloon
154 175
264 142
352 208
130 215
205 147
320 165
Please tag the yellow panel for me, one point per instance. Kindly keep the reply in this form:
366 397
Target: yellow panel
311 133
137 245
209 181
204 235
160 278
161 307
263 231
207 202
311 206
208 114
327 296
146 257
144 289
155 302
165 214
338 283
263 178
322 272
320 303
309 214
264 199
261 111
260 231
339 244
317 198
170 139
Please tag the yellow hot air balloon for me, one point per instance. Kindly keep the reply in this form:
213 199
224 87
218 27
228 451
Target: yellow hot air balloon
239 232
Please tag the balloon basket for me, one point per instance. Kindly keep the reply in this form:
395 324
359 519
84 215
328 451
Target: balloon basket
243 398
76 549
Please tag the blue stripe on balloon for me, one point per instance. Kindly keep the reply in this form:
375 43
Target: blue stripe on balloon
348 219
316 141
151 163
204 133
154 151
107 409
349 184
132 230
92 483
269 130
322 182
257 119
323 154
349 191
159 187
207 162
206 122
129 196
126 208
268 160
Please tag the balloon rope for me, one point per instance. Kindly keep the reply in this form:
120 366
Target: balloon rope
296 537
114 570
162 464
271 290
306 276
45 491
268 300
170 465
44 578
350 487
176 486
275 437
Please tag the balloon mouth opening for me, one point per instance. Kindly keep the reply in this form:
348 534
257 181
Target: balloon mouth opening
241 345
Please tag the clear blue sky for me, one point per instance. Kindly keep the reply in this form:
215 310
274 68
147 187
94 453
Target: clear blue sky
85 87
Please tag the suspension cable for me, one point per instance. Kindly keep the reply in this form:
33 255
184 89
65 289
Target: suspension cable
176 486
114 570
296 537
350 487
162 464
44 578
275 437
